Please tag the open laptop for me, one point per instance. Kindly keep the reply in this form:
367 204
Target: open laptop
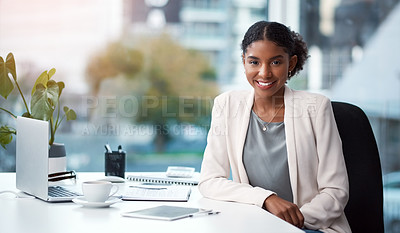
32 162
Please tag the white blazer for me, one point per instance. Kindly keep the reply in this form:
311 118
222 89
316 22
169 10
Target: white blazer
317 169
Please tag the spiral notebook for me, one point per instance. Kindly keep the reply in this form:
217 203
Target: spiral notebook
162 178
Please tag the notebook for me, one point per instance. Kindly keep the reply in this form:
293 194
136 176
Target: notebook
162 178
157 193
165 212
32 162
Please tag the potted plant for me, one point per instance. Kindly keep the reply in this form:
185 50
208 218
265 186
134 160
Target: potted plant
44 104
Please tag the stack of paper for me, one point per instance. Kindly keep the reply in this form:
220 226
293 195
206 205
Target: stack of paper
157 193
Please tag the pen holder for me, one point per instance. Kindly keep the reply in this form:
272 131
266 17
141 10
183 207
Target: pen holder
115 163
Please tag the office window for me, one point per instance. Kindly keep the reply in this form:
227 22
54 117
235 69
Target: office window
205 30
346 41
211 4
353 44
118 107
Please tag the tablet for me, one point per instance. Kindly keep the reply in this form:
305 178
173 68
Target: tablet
164 212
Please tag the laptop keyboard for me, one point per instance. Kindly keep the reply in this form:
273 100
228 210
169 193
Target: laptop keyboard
58 191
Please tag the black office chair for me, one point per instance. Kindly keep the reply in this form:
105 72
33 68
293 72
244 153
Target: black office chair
364 211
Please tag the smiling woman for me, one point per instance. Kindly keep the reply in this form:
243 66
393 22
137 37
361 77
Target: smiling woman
271 56
344 38
291 166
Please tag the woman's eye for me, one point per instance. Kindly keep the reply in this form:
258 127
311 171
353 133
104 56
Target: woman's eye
254 62
276 62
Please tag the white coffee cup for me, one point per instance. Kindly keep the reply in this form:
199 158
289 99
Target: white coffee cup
98 191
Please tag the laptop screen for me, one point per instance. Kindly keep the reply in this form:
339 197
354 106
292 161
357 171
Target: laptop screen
32 156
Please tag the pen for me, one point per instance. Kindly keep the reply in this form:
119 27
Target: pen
108 148
204 213
149 187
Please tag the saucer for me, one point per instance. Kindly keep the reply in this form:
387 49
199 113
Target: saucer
84 202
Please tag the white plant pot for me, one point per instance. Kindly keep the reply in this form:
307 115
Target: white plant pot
57 158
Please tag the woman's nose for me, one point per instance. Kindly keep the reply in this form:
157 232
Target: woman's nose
265 71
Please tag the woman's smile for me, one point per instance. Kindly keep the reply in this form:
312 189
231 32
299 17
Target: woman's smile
264 84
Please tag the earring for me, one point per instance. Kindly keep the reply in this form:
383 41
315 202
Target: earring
290 74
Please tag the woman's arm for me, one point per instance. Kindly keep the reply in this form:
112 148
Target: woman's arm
332 179
219 157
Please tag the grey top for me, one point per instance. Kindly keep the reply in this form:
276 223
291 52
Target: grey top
265 157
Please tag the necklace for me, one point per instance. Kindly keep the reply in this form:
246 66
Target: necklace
265 126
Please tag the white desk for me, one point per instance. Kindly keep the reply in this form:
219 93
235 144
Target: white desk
36 216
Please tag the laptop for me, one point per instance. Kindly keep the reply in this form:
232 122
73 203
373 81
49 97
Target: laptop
32 162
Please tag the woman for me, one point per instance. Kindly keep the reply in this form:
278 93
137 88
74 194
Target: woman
281 146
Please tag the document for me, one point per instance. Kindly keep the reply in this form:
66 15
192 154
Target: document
157 193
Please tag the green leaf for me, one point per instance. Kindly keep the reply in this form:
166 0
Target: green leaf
6 135
51 72
61 86
70 113
10 64
44 100
42 79
6 86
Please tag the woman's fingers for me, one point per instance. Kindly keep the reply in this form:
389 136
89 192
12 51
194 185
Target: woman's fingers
296 216
301 218
284 210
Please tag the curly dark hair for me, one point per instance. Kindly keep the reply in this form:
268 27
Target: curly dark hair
291 41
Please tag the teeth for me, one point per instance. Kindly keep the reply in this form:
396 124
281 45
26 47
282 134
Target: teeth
264 84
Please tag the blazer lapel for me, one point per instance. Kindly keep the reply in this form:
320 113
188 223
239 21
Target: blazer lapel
290 108
244 124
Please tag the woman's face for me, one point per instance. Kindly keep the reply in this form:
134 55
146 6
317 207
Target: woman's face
266 66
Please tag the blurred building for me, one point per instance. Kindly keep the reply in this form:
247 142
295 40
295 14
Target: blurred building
337 32
214 27
373 83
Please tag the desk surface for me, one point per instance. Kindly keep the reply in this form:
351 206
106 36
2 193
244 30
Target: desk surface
34 216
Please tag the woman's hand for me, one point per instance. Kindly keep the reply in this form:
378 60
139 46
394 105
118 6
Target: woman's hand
284 210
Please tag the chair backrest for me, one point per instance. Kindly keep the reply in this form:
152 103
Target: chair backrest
364 210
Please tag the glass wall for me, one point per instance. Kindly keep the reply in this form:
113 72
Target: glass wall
143 74
140 74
